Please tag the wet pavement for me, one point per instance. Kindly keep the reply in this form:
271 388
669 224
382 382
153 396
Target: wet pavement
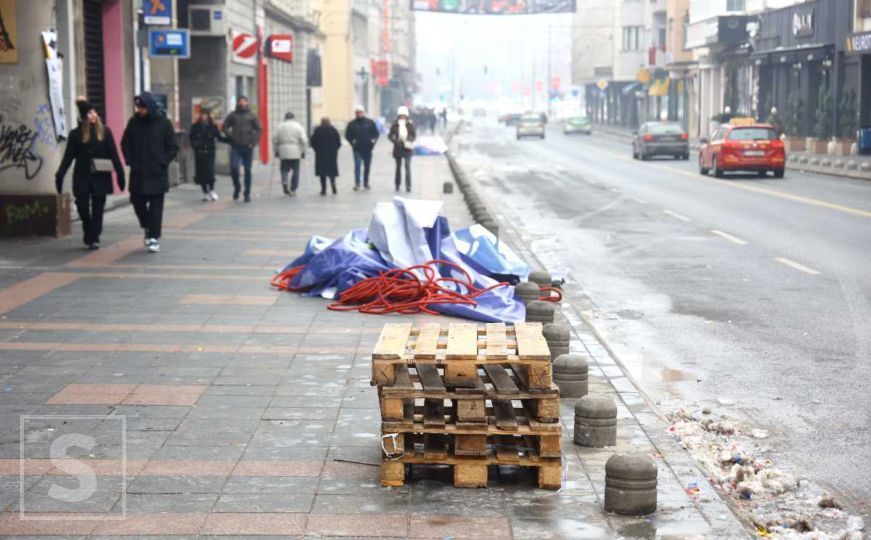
193 401
746 296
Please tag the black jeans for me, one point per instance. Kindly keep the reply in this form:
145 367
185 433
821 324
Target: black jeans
149 210
209 186
90 210
241 156
324 184
362 160
407 171
290 166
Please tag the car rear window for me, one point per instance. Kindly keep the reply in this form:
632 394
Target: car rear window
531 119
665 129
752 134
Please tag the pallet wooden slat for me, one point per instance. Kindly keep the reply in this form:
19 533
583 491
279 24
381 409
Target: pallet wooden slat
427 343
462 342
505 417
430 378
503 382
392 342
531 344
497 341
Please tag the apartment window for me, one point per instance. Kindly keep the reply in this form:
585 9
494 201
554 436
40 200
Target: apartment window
864 8
735 5
632 38
661 38
683 31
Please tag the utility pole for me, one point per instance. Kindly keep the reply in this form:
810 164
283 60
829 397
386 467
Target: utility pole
548 85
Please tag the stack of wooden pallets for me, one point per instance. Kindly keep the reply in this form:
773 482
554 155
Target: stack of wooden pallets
467 396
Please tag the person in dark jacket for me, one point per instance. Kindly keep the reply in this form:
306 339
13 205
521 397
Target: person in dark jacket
362 133
203 135
326 141
91 140
242 128
402 135
149 146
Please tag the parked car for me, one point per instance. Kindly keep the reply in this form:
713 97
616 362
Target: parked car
577 124
530 125
743 148
510 119
660 139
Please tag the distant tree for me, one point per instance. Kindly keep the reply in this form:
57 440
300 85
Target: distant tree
794 113
822 128
848 114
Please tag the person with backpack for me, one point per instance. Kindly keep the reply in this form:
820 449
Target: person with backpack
92 147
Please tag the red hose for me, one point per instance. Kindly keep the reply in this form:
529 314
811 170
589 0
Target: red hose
549 297
400 290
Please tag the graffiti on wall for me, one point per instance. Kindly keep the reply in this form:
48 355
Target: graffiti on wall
16 148
43 122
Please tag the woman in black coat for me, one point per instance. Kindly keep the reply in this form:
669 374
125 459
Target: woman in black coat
326 141
402 134
90 141
203 135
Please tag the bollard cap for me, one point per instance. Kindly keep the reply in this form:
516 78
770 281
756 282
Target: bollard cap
527 288
631 466
556 331
540 308
542 277
596 406
571 363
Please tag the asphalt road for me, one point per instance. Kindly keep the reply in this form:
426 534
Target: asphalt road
746 294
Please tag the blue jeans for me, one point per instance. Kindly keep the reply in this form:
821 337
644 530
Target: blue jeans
364 160
241 156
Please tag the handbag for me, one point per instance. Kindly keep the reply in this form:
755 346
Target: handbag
99 165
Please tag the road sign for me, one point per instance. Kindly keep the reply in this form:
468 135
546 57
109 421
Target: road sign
173 43
244 48
602 84
157 12
280 46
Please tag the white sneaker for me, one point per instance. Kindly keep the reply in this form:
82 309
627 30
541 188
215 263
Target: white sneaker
213 195
206 197
153 245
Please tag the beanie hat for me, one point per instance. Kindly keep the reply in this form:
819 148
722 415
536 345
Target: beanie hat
84 107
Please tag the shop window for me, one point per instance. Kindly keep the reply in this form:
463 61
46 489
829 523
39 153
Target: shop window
735 5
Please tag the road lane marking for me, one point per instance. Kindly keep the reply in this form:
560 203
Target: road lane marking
765 191
636 199
798 266
676 215
729 237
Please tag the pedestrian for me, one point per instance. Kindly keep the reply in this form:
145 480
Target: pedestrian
326 141
149 146
444 115
243 129
775 122
290 143
432 120
362 134
402 135
92 146
203 135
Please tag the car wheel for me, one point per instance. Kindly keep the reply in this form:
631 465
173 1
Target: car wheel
778 173
702 169
718 173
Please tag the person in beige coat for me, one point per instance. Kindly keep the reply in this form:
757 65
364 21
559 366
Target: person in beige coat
290 143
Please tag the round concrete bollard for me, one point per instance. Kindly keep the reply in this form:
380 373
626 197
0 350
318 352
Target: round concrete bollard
558 336
538 311
571 373
630 484
448 187
527 291
542 277
491 226
595 421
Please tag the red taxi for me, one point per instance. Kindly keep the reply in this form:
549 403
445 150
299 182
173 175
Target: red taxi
743 147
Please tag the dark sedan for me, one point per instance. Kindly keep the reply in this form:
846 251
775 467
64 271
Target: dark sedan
660 139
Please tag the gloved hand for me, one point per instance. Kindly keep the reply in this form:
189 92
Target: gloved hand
59 184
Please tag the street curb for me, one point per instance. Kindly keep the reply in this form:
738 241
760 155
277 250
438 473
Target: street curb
831 170
654 424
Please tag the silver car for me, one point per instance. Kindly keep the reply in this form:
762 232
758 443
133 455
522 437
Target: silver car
530 125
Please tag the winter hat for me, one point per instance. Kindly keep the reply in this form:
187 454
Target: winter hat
402 111
289 115
84 107
359 108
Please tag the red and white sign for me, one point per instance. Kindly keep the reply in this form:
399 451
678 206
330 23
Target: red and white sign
381 72
280 47
244 48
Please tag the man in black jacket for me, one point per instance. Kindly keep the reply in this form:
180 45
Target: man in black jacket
243 129
149 145
362 133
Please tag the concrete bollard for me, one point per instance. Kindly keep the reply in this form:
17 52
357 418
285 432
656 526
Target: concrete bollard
571 373
558 336
448 187
630 484
542 277
595 421
538 311
527 291
491 226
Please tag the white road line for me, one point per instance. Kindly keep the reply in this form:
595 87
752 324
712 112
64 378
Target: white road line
729 237
636 199
675 215
797 266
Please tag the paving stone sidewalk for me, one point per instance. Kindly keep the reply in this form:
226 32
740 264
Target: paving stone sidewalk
194 401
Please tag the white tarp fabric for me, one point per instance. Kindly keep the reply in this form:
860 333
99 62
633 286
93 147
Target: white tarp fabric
397 230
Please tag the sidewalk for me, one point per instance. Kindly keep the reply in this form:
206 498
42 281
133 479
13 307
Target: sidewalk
249 412
858 167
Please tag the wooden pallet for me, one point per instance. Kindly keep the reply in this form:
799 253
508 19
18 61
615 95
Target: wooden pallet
468 471
461 350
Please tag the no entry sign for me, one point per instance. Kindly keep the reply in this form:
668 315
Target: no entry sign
244 48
